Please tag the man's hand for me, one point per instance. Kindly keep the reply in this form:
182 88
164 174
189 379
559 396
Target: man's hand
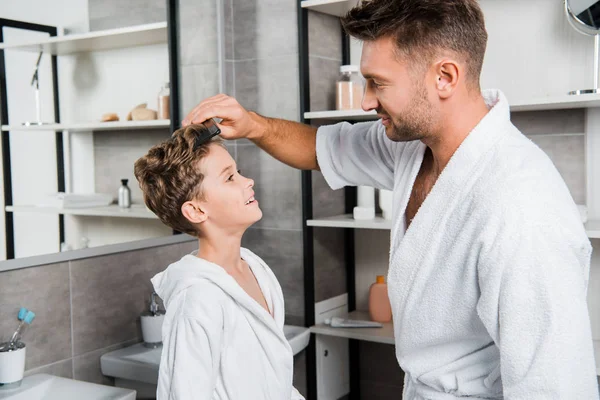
237 122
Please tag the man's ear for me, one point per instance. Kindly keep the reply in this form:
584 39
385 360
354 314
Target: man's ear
193 212
448 72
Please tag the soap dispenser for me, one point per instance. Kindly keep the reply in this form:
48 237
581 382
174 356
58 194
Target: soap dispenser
152 321
380 309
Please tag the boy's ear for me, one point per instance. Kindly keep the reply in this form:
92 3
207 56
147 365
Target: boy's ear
192 211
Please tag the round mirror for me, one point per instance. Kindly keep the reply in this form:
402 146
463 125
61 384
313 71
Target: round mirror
584 17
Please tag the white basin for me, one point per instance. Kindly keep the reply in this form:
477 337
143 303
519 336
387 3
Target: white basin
140 364
49 387
297 336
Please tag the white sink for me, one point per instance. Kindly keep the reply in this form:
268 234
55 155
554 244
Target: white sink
49 387
297 336
140 364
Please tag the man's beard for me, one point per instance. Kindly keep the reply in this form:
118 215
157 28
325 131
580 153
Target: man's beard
415 123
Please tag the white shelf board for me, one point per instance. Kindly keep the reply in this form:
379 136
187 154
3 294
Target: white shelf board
141 35
348 221
592 228
379 335
557 103
338 8
92 126
351 115
136 211
548 103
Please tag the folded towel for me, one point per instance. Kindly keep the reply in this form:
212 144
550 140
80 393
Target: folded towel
76 200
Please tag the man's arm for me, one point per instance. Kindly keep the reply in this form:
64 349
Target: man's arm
290 142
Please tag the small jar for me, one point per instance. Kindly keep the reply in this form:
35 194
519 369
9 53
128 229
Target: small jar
349 88
164 102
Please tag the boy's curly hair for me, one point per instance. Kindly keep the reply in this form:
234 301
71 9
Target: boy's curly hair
169 176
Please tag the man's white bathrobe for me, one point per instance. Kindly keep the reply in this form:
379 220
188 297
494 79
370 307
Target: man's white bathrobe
218 342
488 284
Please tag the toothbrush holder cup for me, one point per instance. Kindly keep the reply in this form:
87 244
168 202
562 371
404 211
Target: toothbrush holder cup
12 365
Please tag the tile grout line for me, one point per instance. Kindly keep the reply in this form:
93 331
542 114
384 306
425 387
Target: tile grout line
233 55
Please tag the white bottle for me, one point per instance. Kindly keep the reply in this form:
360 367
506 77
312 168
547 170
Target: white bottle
124 195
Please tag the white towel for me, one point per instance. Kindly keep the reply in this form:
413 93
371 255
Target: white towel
76 200
488 285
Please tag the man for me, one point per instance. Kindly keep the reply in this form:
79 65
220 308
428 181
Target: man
489 261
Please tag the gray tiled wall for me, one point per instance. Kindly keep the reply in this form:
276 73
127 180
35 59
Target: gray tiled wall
111 14
560 134
84 308
261 72
115 152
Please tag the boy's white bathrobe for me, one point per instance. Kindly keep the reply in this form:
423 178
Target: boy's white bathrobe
218 342
488 284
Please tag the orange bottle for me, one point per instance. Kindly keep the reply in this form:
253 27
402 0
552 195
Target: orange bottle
379 302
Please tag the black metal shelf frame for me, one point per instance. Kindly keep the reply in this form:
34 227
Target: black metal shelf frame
6 156
307 231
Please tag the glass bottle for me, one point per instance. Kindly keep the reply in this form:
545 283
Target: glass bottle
164 102
349 88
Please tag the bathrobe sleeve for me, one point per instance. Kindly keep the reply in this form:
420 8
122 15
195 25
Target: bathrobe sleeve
353 155
194 356
533 280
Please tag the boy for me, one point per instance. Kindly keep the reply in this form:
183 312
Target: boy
223 331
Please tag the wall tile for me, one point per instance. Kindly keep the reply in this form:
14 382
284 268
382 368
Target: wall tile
326 202
111 14
229 72
87 366
198 33
551 121
197 83
110 293
282 251
63 369
114 156
330 266
324 35
45 291
323 76
252 41
568 155
269 86
300 372
277 187
228 29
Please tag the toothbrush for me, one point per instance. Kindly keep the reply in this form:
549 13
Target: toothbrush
26 317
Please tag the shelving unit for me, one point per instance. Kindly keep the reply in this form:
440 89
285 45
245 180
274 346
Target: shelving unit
161 33
141 35
136 211
384 334
91 126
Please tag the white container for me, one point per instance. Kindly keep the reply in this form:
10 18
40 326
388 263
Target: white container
152 329
385 203
12 365
349 88
365 210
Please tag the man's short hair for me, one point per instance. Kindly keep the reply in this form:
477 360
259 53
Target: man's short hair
420 28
